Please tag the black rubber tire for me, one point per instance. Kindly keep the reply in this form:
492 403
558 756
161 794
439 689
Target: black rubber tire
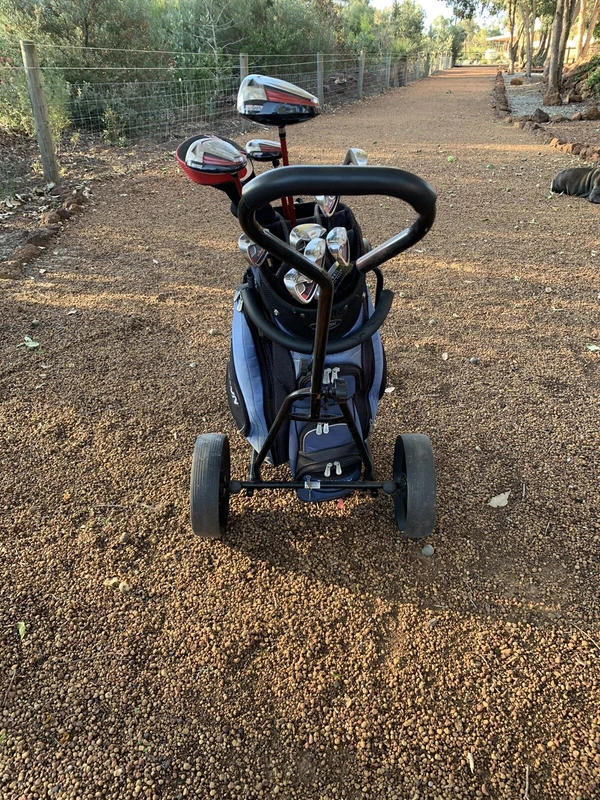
414 505
209 486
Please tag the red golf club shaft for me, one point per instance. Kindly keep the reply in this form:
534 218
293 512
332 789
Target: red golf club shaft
286 202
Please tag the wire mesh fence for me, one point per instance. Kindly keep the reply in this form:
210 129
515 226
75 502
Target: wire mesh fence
121 98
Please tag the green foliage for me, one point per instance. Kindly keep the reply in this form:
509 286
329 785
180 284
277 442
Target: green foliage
445 36
114 66
593 80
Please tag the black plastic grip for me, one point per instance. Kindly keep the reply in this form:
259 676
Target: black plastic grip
340 180
254 309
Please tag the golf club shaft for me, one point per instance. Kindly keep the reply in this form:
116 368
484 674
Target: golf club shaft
286 202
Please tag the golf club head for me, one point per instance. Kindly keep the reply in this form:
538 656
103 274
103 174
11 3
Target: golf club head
315 251
356 156
301 234
337 244
270 101
253 253
215 161
327 203
299 286
215 155
264 150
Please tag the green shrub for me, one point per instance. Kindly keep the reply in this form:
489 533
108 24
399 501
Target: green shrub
15 106
593 80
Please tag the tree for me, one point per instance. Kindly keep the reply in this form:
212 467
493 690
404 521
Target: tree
446 36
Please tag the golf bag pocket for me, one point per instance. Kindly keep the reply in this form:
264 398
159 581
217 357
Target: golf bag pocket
260 375
235 398
326 452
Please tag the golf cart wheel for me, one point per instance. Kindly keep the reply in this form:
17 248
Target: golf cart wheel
414 503
209 486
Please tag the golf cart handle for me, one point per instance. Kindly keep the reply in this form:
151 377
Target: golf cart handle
253 307
340 180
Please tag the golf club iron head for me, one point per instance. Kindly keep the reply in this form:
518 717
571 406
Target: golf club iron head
327 203
337 244
253 253
299 286
356 156
302 234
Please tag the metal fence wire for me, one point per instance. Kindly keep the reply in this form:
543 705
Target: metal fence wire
126 97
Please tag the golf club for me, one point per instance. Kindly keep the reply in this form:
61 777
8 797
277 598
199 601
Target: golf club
253 254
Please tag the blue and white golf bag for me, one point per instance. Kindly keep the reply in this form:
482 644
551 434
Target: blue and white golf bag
261 374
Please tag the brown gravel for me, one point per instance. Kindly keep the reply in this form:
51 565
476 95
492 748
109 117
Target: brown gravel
315 654
586 133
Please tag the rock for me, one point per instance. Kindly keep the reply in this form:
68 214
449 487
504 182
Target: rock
41 236
552 98
559 118
524 118
50 218
573 97
10 270
428 551
25 254
64 214
577 117
516 82
576 149
74 208
79 198
592 113
539 115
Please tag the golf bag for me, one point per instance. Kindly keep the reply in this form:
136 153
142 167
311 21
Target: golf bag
261 374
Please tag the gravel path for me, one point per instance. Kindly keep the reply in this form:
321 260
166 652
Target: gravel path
315 654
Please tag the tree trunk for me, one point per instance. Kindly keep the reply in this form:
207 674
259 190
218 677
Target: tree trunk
512 21
590 29
568 19
542 51
557 24
581 29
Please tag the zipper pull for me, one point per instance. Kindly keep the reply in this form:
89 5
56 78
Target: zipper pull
325 427
239 300
326 374
338 467
319 430
334 374
327 472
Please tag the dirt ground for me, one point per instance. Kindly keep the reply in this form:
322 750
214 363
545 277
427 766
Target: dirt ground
586 133
315 653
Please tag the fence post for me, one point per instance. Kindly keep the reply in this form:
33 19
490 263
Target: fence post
388 70
40 111
361 73
244 70
320 91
